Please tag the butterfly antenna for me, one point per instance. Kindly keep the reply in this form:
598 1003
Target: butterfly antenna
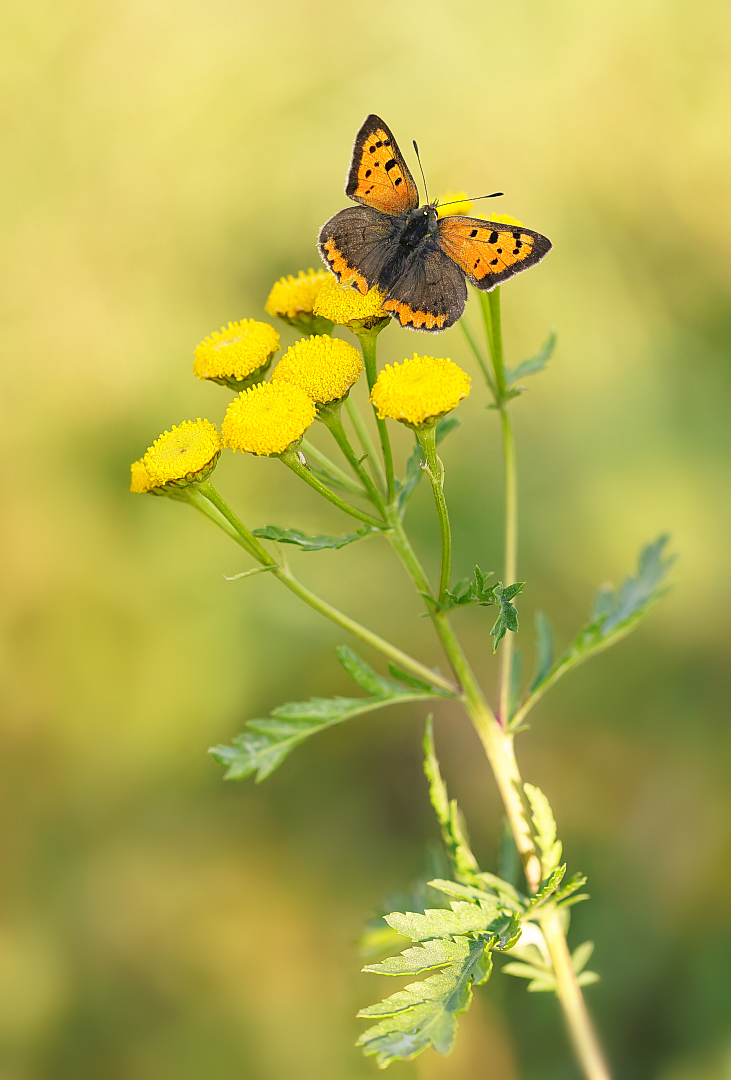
426 190
477 199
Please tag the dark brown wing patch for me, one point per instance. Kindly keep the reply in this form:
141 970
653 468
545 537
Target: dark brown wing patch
430 294
354 244
489 252
378 175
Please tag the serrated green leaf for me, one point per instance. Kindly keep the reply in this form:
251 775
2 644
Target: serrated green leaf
534 364
508 617
312 543
454 833
461 918
424 1014
267 742
615 613
547 888
545 829
432 954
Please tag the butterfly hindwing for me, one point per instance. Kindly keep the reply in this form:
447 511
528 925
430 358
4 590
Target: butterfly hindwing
356 245
431 292
378 175
489 252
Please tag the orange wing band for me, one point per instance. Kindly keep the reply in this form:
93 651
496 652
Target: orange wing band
418 319
342 269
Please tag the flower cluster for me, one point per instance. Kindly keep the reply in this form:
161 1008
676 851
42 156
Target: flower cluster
419 391
312 378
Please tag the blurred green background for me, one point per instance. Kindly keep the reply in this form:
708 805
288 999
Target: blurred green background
162 164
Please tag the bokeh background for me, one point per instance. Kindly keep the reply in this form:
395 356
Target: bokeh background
162 163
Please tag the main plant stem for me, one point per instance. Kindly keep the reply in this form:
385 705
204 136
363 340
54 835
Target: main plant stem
499 744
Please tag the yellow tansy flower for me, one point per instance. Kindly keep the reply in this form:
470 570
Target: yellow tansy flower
293 299
324 367
419 391
460 204
346 306
238 354
140 481
268 418
182 456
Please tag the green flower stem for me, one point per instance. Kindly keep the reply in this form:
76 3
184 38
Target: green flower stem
511 551
369 344
477 352
581 1030
435 472
490 305
310 450
235 528
331 420
292 460
366 442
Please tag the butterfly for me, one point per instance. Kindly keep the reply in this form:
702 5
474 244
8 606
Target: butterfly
417 259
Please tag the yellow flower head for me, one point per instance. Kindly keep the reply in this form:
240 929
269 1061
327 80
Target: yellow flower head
140 481
419 391
347 306
179 457
460 204
240 353
501 219
293 299
324 367
268 418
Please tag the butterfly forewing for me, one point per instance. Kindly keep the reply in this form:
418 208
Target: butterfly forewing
488 252
378 175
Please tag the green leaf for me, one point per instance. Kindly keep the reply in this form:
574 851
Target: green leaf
544 648
448 814
267 742
425 1013
406 487
456 942
580 956
616 612
545 830
311 543
508 617
536 363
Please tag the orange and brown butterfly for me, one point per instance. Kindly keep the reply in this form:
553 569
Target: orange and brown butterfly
417 259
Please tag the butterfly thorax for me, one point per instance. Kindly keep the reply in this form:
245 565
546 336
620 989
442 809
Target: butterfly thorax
416 225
